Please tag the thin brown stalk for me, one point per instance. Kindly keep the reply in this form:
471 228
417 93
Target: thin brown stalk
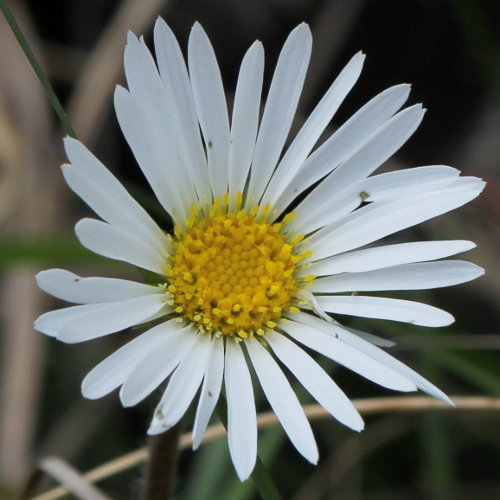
29 207
369 406
97 80
162 464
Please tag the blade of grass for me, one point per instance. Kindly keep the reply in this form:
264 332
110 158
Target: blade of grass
51 95
438 459
369 406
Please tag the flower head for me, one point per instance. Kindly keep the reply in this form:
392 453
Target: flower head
244 275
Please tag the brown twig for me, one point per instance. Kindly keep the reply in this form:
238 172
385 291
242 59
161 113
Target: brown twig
101 71
30 206
369 406
66 474
349 453
328 42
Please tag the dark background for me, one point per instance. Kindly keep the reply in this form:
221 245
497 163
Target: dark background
447 49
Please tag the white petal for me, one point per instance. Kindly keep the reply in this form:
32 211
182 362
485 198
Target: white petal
143 80
280 108
312 129
182 386
108 318
351 358
177 86
348 139
210 390
115 243
381 257
137 310
283 401
315 380
153 157
374 339
112 371
102 192
383 357
148 92
71 287
241 415
381 146
377 220
245 117
470 185
408 182
351 337
153 369
419 276
211 107
400 184
50 323
405 311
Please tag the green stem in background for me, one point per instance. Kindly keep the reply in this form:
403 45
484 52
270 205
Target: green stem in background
36 68
439 475
260 475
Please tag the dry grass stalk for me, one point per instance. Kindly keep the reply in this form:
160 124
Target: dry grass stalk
27 209
408 404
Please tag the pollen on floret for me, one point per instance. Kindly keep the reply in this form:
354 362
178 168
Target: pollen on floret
231 272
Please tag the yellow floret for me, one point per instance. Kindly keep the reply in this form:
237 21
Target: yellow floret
231 273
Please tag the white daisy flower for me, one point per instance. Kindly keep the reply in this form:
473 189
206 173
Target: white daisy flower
244 276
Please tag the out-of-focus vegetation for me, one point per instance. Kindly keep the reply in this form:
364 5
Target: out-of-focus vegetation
448 49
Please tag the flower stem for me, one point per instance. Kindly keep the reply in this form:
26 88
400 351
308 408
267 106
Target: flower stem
56 104
162 464
260 475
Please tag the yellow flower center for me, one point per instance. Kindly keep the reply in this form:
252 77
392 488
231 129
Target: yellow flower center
232 272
